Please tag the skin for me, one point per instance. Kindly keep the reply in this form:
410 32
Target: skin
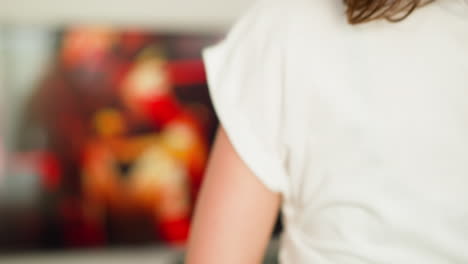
235 213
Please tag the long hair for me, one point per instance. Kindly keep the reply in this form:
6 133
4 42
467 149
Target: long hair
360 11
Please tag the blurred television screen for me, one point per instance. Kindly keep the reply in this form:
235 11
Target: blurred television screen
104 136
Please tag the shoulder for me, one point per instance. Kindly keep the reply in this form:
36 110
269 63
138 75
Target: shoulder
287 9
274 18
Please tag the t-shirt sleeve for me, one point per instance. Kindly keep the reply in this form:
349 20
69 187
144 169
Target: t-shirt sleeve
245 76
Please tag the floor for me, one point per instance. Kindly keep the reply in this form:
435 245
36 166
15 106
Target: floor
140 255
112 256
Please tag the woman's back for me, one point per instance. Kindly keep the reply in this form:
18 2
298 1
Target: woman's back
362 129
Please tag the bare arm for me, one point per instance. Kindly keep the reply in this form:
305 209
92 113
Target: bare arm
235 213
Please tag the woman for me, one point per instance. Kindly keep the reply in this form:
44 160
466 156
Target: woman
356 128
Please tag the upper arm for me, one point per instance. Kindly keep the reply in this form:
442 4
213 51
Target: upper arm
235 213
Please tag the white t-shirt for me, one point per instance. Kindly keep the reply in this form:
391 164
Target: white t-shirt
363 129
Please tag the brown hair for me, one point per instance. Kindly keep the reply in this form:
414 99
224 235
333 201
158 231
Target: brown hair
360 11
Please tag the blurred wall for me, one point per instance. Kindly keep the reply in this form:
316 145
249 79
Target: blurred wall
181 15
26 52
2 107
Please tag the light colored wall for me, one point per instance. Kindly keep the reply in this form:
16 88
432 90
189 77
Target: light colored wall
191 15
25 54
2 110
